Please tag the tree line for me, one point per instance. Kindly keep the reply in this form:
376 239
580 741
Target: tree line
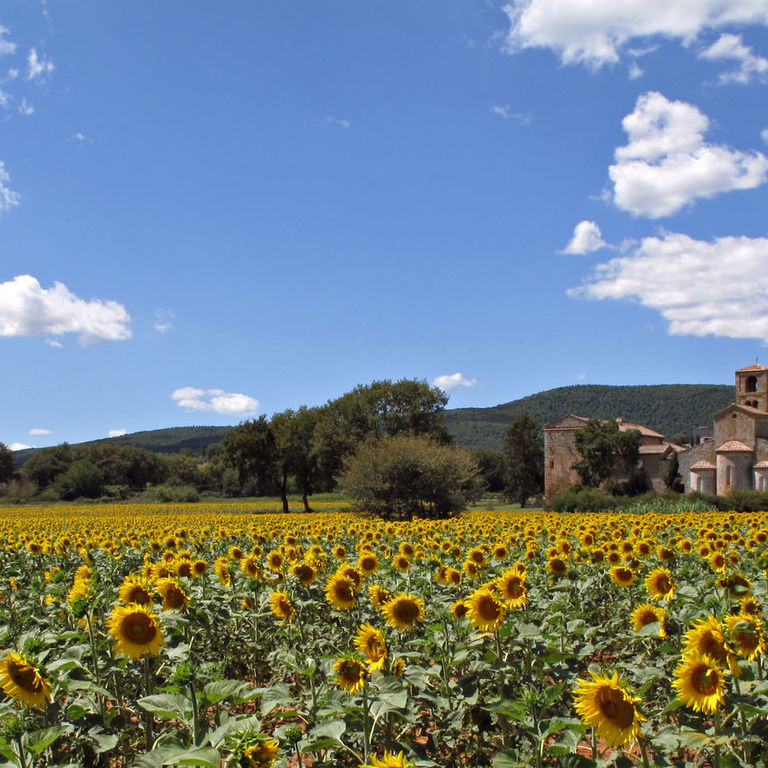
384 440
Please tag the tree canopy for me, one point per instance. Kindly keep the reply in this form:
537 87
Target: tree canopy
523 459
605 449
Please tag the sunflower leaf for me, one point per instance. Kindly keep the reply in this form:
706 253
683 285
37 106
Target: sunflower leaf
167 706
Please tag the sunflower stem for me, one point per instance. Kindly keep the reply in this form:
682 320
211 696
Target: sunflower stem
95 658
716 760
22 759
366 718
148 739
644 752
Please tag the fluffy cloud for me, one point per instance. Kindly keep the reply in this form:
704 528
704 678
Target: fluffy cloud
667 164
38 69
8 198
503 110
19 446
730 47
117 432
164 320
701 288
216 400
38 431
586 237
27 309
6 46
453 381
596 32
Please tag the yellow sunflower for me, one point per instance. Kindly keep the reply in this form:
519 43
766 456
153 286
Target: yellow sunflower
135 589
22 681
304 573
700 683
623 576
262 754
367 563
371 643
350 674
459 609
646 614
512 589
280 604
249 566
706 638
403 611
221 567
485 610
609 708
379 596
136 631
557 567
174 597
340 592
746 633
389 760
659 584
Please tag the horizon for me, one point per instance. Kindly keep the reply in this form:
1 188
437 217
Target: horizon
214 212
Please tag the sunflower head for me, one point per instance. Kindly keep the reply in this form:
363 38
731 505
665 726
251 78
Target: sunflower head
659 584
607 706
304 573
389 760
136 631
174 597
700 683
623 576
340 592
22 681
403 611
371 643
647 614
261 754
511 588
485 610
350 674
135 589
746 633
282 607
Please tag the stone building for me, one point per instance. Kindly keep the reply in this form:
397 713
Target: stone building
736 456
560 453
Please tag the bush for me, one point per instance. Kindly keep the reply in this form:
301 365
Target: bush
174 494
745 500
408 476
82 479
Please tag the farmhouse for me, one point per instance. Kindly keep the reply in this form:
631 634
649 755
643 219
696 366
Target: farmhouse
734 454
560 453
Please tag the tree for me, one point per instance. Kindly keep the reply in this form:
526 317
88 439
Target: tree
6 463
491 465
408 476
673 479
605 449
523 459
83 478
296 442
377 410
47 464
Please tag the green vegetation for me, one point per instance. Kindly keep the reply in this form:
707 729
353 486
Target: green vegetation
671 409
523 460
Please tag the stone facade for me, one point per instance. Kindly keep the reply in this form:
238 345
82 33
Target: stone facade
560 453
736 456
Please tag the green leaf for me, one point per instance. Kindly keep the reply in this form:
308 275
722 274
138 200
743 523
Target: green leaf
104 741
218 690
507 759
205 756
37 741
167 706
276 696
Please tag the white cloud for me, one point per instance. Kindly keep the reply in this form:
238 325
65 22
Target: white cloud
164 320
505 112
38 431
25 108
667 164
81 138
596 32
19 446
764 134
587 237
27 309
635 71
337 121
6 46
453 381
38 69
730 47
216 400
117 432
53 343
701 288
8 198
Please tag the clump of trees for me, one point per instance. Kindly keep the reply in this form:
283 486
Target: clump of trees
605 449
404 476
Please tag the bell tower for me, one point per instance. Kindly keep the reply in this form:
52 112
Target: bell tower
752 386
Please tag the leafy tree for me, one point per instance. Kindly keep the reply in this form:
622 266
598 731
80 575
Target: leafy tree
523 459
83 478
673 480
406 476
377 410
491 465
605 449
47 464
295 435
6 463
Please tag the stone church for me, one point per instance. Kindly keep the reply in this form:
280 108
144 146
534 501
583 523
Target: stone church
732 455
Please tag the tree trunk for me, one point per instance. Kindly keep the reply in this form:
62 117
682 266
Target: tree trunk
307 508
283 494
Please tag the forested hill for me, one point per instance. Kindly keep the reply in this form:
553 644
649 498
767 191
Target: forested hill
671 409
668 408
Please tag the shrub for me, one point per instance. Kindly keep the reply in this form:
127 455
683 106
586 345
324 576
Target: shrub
408 476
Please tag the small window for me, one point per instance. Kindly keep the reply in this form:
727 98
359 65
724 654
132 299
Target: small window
551 464
729 475
751 384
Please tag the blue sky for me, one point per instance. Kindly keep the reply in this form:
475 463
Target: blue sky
211 211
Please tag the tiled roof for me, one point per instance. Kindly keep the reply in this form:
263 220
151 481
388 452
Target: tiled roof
734 446
755 367
761 465
625 426
703 465
645 449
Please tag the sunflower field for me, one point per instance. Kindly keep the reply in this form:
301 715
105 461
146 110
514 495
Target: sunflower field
213 635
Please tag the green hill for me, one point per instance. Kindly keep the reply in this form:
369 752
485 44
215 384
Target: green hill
671 409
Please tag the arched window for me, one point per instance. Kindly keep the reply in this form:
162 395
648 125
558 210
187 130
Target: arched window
728 475
751 384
